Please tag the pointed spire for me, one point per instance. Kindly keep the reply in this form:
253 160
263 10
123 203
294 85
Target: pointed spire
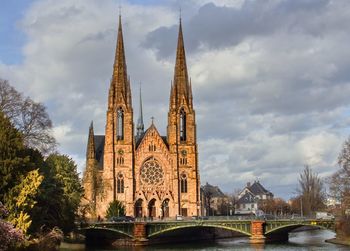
140 126
120 83
90 152
181 83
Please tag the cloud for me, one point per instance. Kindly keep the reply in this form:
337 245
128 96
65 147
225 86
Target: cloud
270 78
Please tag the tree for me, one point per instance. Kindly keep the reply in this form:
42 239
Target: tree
12 160
19 180
311 191
339 185
60 194
29 117
115 209
21 199
340 180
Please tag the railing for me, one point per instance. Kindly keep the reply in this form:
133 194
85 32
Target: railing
211 218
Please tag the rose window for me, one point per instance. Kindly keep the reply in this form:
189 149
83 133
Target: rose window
152 173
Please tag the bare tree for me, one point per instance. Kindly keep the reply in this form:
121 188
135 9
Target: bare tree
29 117
311 190
10 100
340 181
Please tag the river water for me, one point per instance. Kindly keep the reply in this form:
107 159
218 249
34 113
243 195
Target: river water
306 240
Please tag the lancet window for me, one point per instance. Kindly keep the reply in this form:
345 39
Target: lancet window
120 183
182 125
183 183
120 124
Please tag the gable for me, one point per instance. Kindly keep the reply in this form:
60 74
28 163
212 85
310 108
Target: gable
152 136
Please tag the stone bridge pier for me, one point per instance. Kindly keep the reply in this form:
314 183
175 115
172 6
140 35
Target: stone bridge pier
257 230
140 234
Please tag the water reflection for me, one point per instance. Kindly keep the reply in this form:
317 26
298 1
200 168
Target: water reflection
307 240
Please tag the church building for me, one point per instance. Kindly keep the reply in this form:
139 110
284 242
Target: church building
152 175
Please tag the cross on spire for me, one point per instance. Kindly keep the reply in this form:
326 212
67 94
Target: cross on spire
152 118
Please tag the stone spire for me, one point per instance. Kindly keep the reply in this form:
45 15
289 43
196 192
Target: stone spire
140 126
120 84
181 83
90 152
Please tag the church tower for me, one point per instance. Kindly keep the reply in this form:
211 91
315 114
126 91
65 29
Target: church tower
152 175
182 135
119 139
90 174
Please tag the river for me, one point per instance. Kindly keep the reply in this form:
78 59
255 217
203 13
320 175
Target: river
306 240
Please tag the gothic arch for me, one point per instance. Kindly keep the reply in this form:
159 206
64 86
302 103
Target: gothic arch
183 182
120 182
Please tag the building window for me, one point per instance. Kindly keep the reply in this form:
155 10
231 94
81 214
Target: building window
120 161
120 124
183 161
182 125
152 148
183 183
152 173
120 183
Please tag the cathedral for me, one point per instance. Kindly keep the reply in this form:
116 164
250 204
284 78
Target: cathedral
152 175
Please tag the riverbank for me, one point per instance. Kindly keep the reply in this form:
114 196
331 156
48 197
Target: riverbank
339 241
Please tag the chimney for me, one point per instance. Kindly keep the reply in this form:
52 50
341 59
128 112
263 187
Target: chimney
248 184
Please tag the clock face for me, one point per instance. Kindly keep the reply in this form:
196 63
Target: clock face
184 152
120 151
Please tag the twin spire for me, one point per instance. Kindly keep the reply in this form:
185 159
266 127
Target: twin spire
120 91
181 87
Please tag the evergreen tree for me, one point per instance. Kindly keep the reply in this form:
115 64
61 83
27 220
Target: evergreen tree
115 209
60 194
11 159
19 180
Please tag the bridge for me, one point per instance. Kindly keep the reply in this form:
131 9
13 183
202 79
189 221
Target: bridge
148 232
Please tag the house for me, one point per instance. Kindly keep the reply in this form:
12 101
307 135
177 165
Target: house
250 196
215 202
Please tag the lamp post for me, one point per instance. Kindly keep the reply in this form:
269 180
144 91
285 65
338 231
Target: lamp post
301 206
125 204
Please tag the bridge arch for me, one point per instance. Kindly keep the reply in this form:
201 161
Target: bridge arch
103 230
243 229
286 228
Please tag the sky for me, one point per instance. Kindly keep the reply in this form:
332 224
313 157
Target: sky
270 78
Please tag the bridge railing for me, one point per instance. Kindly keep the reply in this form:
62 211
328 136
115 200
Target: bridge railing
211 218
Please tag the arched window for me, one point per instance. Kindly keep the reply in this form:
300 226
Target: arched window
120 161
183 183
120 124
182 125
120 183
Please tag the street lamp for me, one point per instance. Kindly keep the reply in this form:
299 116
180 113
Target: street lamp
301 206
125 204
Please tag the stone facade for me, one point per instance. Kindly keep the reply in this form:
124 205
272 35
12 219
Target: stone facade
152 175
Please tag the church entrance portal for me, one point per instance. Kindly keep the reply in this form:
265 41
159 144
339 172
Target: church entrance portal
138 208
165 208
152 208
